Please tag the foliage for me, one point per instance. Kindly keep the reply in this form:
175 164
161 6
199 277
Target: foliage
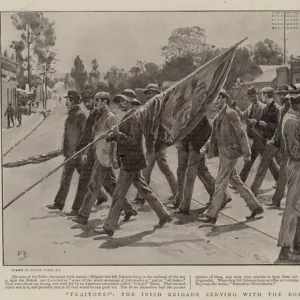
117 80
178 67
243 68
79 74
267 52
184 41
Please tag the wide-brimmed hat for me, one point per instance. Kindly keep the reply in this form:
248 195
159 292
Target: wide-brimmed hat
152 88
103 95
251 91
127 95
295 88
74 96
295 99
224 94
283 89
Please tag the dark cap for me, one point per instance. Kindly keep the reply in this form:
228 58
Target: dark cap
251 91
283 90
295 99
87 95
73 96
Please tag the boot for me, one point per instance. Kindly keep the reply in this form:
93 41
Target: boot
287 254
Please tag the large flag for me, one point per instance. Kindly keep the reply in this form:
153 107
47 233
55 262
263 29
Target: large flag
168 117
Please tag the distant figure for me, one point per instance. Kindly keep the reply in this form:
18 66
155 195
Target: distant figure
10 112
19 113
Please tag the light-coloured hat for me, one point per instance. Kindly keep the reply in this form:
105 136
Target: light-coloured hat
128 95
152 88
102 95
224 93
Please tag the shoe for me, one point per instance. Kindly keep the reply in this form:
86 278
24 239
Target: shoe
162 222
80 220
232 187
207 219
272 204
179 211
54 206
71 213
103 231
226 202
128 215
171 205
287 254
100 202
171 198
255 212
139 201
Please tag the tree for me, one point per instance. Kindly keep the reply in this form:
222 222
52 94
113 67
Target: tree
243 67
117 79
79 74
184 41
37 32
94 75
267 52
178 67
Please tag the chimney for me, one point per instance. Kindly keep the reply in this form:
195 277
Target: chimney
282 75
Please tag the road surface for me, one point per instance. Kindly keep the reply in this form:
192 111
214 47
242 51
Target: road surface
49 238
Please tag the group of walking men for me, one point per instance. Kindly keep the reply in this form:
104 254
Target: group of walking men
274 130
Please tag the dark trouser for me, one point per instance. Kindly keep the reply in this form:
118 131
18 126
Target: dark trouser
191 165
161 159
66 179
266 161
297 237
124 181
83 181
257 148
282 180
19 118
10 118
101 176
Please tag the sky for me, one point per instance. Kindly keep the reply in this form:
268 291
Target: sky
121 38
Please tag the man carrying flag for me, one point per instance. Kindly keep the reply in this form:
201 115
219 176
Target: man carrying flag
132 159
159 157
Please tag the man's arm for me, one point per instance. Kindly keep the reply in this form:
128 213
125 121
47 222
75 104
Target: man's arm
240 133
292 138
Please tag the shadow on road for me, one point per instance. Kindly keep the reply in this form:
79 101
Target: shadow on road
217 230
88 230
192 217
51 214
134 241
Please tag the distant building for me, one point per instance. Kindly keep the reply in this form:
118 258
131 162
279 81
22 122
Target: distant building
8 84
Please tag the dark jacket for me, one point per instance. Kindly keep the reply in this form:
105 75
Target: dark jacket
19 110
10 111
278 132
74 128
130 151
87 135
229 134
270 115
199 136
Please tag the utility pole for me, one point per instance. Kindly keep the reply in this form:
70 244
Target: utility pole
286 21
28 56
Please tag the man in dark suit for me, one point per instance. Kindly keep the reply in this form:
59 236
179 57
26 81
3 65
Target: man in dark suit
10 112
74 128
229 141
267 126
128 135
